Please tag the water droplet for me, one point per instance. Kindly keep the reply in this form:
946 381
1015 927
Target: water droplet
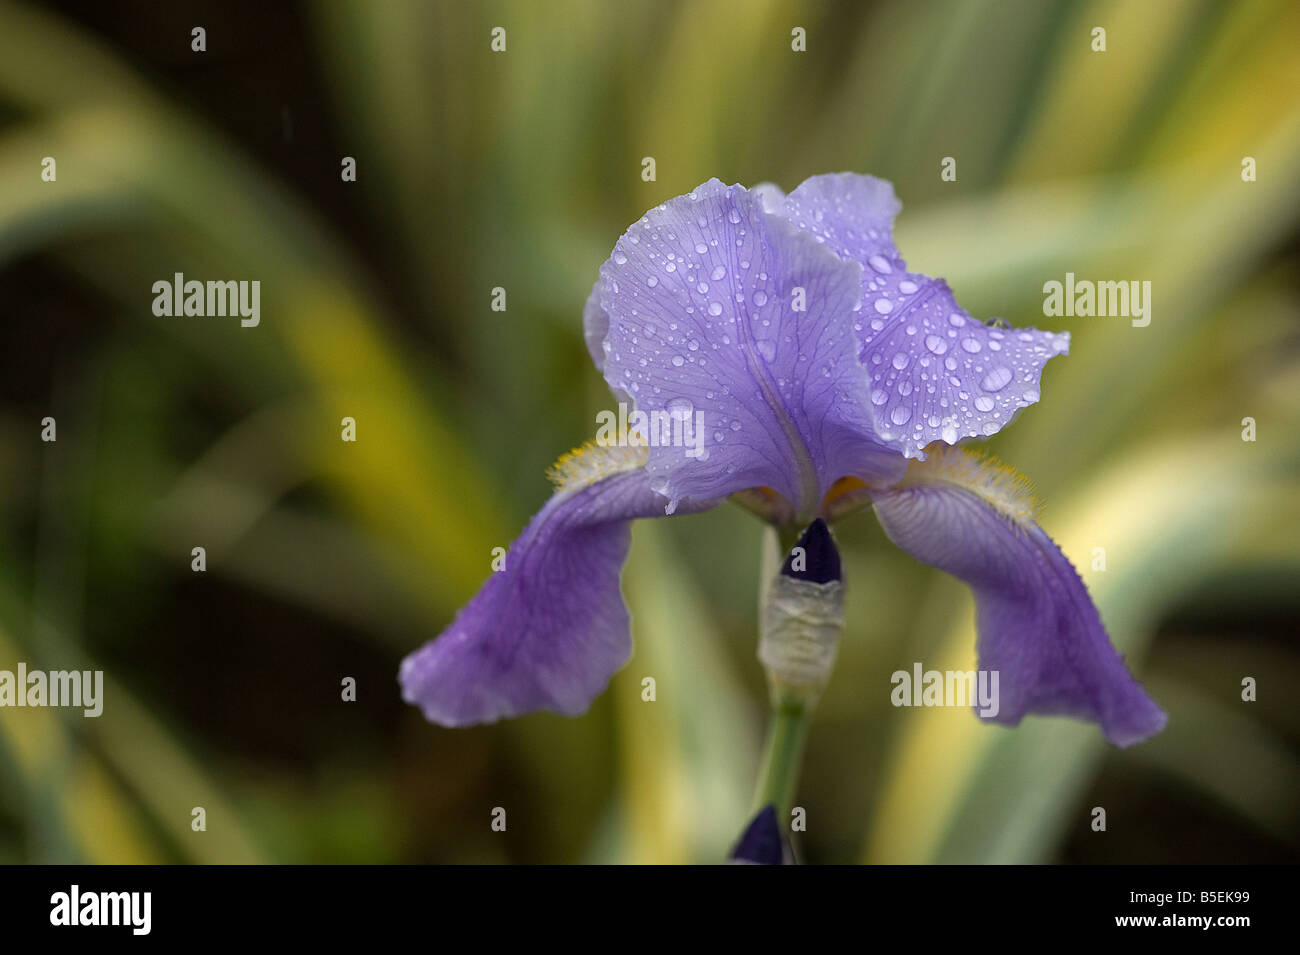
680 407
906 287
956 320
767 349
715 308
735 424
905 387
879 396
760 298
984 403
900 414
997 379
719 272
652 281
936 344
949 432
701 248
670 267
620 258
678 361
880 264
884 306
970 344
901 360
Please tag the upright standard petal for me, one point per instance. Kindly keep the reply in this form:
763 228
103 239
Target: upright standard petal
724 313
937 374
548 630
1037 626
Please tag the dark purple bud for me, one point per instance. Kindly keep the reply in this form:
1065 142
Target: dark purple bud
761 842
815 558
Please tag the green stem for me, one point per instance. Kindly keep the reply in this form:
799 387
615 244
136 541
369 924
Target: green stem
779 776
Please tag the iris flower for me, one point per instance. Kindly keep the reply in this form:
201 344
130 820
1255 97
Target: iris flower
828 378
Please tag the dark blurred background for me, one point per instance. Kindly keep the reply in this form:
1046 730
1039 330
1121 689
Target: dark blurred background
478 169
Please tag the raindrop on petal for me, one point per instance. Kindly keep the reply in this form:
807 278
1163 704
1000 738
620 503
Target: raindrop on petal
997 379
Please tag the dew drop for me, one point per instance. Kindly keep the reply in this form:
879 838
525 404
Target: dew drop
997 379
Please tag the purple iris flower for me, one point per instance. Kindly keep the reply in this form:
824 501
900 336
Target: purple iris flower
826 377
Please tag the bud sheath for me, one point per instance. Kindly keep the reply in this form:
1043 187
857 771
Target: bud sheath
802 618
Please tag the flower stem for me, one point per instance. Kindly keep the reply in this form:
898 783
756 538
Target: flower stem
778 778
